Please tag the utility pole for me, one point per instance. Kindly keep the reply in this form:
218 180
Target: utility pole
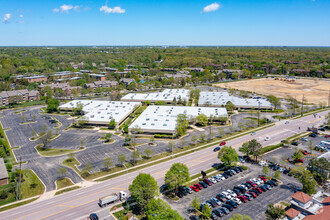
302 106
20 174
294 106
329 99
258 114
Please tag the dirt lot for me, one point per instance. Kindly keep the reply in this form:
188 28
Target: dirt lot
315 90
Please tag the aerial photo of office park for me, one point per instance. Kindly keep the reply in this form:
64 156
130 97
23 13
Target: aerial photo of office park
121 123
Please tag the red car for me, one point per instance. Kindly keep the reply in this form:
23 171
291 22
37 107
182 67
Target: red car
258 189
195 188
263 178
208 182
254 195
242 198
300 160
198 186
304 152
222 143
327 136
252 184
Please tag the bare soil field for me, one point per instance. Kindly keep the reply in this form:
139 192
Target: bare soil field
315 90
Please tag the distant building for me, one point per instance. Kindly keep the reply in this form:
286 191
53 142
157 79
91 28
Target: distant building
195 69
65 75
101 84
18 96
63 86
98 77
167 96
178 76
127 81
34 78
3 173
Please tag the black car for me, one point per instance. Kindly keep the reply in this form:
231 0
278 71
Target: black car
241 189
236 170
271 165
163 188
218 212
179 194
322 129
224 210
247 185
276 168
227 206
183 190
255 191
213 204
232 203
214 216
93 216
225 175
313 135
274 182
241 169
237 191
221 197
194 217
204 185
263 188
270 183
295 143
227 172
286 171
216 149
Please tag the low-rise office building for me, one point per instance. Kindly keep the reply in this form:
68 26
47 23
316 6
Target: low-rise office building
167 96
163 119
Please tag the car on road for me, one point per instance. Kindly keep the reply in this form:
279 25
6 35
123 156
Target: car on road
267 138
216 149
222 143
304 139
93 216
253 133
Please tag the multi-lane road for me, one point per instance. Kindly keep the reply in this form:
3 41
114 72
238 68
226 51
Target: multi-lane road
82 202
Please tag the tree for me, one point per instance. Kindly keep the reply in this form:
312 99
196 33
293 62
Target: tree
265 170
228 155
157 209
306 178
195 204
297 155
135 156
274 213
46 139
310 146
202 119
148 152
131 86
230 106
152 139
194 139
320 168
61 172
52 105
143 188
78 109
107 163
107 137
112 123
238 216
206 212
121 159
252 147
177 175
274 100
277 174
82 121
181 124
88 168
202 137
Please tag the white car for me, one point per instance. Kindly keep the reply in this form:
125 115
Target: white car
256 181
244 187
213 180
262 163
220 177
233 195
281 169
217 178
238 201
216 201
261 181
226 194
267 138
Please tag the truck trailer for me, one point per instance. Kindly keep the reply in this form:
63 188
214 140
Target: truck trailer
103 201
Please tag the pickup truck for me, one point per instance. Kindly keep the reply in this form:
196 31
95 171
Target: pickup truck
104 201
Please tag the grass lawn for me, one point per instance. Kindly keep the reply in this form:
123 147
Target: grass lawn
64 182
17 205
66 190
49 152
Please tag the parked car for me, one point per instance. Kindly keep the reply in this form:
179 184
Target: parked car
251 183
255 191
213 204
190 191
304 139
221 197
248 196
217 201
225 175
213 216
253 194
218 212
196 189
227 206
226 194
241 169
204 185
299 160
295 143
232 203
236 169
216 149
224 210
304 152
242 198
232 194
179 194
276 168
313 135
222 143
238 201
199 186
247 185
264 188
258 189
286 171
241 159
327 136
183 190
228 173
237 191
220 176
163 188
193 217
208 182
253 133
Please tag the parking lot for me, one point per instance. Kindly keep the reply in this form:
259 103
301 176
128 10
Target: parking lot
279 155
255 208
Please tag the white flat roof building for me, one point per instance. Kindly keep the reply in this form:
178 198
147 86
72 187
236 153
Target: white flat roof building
167 96
101 112
162 119
221 99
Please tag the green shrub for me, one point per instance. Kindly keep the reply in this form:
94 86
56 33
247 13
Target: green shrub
271 147
244 167
9 167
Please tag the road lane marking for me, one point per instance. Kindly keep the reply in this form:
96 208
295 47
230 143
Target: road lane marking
315 120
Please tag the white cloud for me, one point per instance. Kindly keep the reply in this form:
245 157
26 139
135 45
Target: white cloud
55 10
6 18
66 8
108 10
212 7
21 16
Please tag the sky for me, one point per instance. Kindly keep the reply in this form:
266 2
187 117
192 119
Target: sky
167 22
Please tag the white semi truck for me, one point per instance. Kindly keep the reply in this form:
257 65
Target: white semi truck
112 198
